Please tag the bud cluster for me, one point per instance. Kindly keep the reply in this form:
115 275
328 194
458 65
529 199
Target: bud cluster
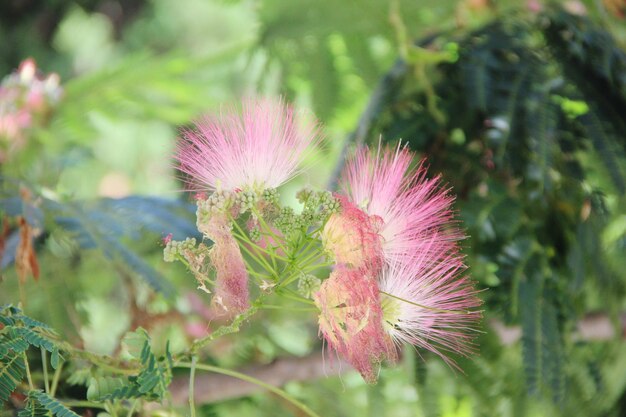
270 196
308 285
175 248
318 206
246 201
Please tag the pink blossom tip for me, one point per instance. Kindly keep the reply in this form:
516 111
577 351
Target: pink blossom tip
262 146
431 304
411 206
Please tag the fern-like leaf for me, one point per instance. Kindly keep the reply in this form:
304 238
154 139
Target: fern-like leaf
35 339
13 344
151 382
52 405
33 408
11 374
31 322
542 346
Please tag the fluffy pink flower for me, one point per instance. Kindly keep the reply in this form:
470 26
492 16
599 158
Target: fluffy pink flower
411 206
351 320
231 286
260 147
421 296
429 303
351 235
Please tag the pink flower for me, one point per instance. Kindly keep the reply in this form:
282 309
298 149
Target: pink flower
26 100
231 285
261 147
410 206
351 236
429 303
400 267
351 320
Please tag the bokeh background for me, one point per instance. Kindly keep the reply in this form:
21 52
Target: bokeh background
519 105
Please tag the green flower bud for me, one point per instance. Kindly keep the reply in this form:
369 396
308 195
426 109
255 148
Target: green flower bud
308 285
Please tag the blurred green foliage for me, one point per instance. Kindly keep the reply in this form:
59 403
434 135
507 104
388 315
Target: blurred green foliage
521 111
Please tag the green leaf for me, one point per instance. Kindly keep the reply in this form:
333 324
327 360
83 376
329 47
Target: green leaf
32 323
11 374
542 345
134 342
103 388
35 339
16 345
33 409
151 382
51 404
55 358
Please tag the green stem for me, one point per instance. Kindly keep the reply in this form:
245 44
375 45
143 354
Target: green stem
317 266
304 408
287 293
85 404
131 410
259 274
28 375
192 377
183 260
296 274
269 229
223 330
101 362
111 408
273 259
55 379
242 236
290 278
302 269
44 365
309 257
304 248
260 260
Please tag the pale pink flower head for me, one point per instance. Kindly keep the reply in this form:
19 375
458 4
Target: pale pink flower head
27 98
351 320
411 206
351 236
231 282
262 146
429 303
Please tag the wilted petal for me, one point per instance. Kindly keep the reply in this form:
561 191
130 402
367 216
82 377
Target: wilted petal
351 320
231 286
351 236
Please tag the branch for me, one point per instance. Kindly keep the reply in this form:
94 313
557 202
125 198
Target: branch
213 387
